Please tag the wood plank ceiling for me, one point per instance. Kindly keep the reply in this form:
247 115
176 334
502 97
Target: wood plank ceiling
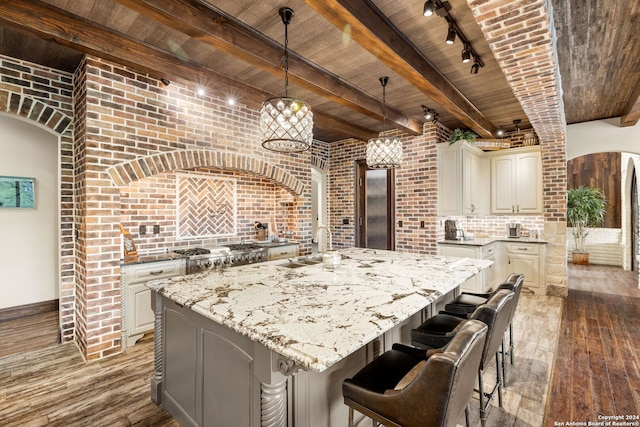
338 50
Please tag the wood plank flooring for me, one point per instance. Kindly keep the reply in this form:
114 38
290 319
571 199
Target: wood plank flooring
597 368
597 364
28 333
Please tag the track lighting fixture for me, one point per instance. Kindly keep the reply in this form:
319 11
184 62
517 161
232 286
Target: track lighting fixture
429 114
516 125
500 132
466 53
165 81
451 34
442 8
429 7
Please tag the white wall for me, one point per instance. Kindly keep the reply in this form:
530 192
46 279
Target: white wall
29 237
601 136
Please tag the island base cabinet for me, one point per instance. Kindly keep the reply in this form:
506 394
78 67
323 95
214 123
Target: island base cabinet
206 374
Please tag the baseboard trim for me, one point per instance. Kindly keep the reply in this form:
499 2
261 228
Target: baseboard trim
42 307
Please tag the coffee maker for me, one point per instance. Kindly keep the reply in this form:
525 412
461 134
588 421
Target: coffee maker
452 230
513 229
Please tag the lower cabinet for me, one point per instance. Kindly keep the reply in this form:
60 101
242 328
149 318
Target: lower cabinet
509 257
480 282
283 251
528 259
137 315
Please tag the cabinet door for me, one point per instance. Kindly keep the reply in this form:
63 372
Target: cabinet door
140 315
502 185
474 284
473 184
528 177
449 184
527 265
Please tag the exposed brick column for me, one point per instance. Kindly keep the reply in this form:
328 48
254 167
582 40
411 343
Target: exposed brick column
522 37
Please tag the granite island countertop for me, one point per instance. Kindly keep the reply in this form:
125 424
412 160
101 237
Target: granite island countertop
314 316
482 241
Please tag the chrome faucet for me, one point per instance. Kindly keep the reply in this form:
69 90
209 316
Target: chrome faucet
330 247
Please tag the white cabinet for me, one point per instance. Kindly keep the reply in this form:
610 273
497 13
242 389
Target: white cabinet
283 251
137 315
482 282
528 259
516 182
462 180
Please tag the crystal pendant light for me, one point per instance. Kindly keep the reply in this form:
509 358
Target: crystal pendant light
286 124
384 152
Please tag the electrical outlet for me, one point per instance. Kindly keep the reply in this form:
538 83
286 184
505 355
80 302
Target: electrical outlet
345 221
156 229
399 223
143 230
421 224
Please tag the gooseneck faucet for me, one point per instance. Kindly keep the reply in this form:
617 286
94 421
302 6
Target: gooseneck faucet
330 247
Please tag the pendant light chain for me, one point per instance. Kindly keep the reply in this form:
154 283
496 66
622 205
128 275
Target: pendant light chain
286 59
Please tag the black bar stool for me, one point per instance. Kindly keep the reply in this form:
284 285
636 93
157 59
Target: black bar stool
407 387
494 313
466 303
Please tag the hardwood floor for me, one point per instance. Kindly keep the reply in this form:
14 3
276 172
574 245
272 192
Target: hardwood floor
28 333
597 366
53 386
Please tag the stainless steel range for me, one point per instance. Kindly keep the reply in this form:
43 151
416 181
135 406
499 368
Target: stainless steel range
199 259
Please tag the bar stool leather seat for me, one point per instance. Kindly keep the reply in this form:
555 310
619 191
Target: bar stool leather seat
407 387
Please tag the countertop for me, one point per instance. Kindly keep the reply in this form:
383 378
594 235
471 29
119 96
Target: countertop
487 240
317 317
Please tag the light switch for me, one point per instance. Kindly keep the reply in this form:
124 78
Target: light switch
156 229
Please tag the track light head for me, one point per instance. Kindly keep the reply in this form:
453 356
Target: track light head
429 7
164 81
429 114
466 54
516 125
500 132
451 35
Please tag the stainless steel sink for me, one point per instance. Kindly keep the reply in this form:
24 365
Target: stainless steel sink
301 262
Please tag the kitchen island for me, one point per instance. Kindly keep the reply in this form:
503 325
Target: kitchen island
269 344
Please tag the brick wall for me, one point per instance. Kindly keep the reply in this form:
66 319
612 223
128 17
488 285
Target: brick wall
521 36
44 96
139 132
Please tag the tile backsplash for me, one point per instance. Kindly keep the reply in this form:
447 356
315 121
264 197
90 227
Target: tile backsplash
493 225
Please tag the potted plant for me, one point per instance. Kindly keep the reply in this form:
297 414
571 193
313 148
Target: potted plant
585 208
459 134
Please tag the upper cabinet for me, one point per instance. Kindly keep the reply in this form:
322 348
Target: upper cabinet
516 182
462 180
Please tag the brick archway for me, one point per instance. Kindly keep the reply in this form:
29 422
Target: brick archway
35 111
143 167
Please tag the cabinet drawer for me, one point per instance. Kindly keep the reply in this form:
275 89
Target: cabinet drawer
154 270
522 248
280 252
489 251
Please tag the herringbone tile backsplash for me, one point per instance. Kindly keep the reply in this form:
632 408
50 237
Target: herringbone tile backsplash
206 206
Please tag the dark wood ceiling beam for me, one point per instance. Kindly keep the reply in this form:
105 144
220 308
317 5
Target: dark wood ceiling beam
225 33
374 32
50 23
631 113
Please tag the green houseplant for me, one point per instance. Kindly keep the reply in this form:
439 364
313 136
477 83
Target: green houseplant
585 208
459 134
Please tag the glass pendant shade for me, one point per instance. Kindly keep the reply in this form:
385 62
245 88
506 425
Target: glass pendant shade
384 152
286 125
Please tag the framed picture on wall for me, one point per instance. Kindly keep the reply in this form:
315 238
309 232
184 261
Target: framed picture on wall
17 192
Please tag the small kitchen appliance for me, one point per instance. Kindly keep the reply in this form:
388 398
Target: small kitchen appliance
452 230
514 229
